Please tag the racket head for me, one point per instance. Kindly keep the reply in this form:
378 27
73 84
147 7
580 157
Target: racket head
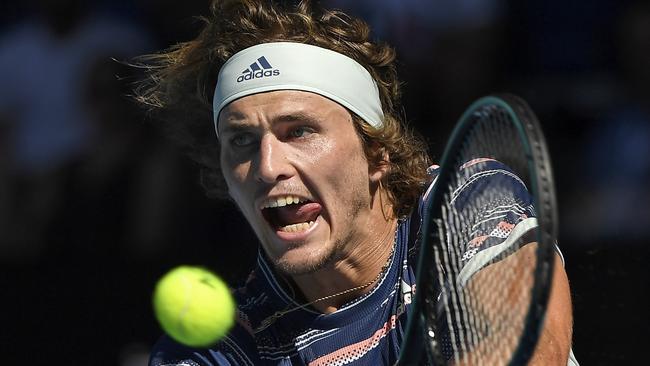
504 129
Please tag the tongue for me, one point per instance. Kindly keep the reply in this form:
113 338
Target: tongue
293 214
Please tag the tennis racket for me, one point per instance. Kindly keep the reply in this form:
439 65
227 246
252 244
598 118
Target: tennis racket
487 242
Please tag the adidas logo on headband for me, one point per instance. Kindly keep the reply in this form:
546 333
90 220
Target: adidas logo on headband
303 67
258 69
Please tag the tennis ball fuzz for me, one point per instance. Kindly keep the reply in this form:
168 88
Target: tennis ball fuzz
193 306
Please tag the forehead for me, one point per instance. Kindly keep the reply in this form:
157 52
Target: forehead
281 104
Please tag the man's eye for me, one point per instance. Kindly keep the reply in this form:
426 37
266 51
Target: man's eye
300 132
242 139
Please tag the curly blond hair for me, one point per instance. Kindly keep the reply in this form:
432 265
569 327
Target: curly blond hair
180 84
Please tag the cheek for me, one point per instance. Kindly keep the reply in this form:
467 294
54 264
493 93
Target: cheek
235 178
317 152
334 152
345 167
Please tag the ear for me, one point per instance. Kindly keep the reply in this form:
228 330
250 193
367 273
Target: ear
377 171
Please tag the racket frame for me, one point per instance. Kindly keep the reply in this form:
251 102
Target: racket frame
418 331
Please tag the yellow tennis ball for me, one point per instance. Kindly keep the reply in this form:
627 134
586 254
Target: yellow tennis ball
193 306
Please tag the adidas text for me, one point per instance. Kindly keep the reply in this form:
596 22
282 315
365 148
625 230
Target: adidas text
258 74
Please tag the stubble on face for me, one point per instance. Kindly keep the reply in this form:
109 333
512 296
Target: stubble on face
327 256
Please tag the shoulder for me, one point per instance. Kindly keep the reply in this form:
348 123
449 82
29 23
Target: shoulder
474 178
237 348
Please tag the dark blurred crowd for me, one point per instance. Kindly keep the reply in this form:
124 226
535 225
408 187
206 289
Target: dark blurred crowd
95 203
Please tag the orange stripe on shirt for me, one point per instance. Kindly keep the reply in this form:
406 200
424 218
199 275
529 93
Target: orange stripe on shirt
474 162
357 350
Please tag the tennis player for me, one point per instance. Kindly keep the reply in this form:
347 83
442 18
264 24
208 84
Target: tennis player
311 147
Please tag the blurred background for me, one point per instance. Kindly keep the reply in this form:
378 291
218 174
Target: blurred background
95 204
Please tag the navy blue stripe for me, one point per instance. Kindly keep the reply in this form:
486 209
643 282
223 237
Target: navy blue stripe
265 64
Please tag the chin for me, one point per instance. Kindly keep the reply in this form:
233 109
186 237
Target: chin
303 261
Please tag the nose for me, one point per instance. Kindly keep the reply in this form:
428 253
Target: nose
273 162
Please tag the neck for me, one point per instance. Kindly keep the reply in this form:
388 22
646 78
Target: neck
358 266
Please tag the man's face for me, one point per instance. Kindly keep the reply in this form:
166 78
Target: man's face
295 166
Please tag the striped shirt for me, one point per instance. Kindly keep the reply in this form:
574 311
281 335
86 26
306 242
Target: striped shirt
370 329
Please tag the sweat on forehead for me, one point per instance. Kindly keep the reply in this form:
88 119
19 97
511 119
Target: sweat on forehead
297 66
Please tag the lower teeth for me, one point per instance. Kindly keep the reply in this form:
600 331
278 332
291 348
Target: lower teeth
294 228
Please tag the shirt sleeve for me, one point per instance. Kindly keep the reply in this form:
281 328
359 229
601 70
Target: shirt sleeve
491 211
500 214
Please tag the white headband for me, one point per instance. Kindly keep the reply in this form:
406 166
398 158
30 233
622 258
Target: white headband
298 66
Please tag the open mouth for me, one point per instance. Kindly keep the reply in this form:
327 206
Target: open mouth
290 214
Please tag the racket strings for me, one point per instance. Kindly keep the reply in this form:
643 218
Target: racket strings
482 305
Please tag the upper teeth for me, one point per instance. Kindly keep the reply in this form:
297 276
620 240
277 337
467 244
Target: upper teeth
282 201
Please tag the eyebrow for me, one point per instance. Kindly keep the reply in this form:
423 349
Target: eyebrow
235 121
296 117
